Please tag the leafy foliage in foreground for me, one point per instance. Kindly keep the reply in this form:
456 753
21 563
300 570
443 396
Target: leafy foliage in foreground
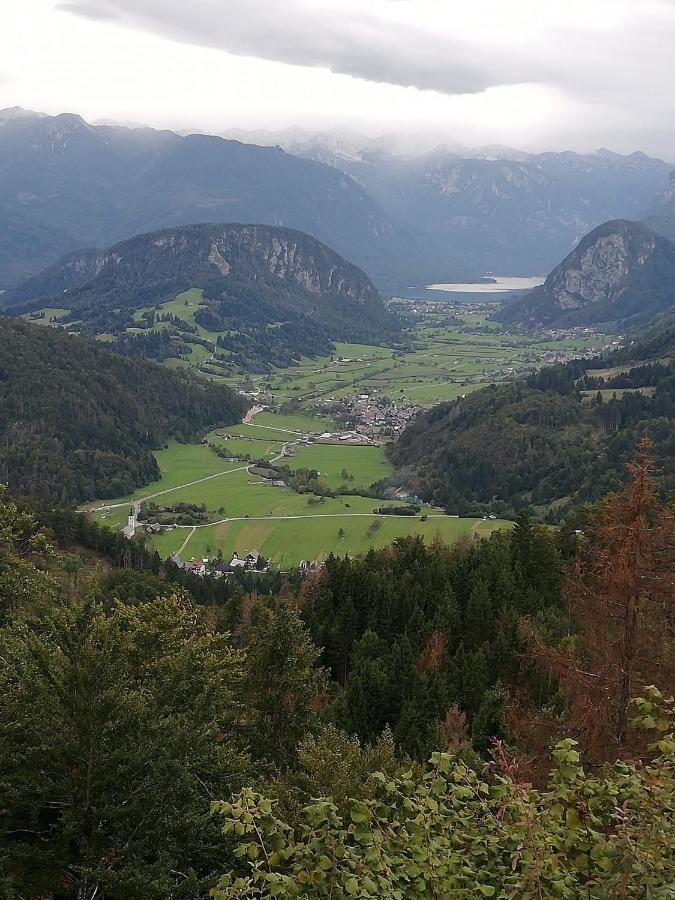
456 833
79 422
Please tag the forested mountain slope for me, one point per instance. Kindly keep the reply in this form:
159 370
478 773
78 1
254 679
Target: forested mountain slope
79 422
66 184
621 274
558 439
268 290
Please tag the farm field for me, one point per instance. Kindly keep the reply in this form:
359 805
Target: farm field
444 361
282 524
608 393
451 348
450 353
365 465
286 543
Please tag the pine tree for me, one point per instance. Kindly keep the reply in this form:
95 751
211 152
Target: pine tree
285 685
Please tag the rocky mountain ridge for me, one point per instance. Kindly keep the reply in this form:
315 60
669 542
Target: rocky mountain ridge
66 184
495 208
265 295
621 274
246 252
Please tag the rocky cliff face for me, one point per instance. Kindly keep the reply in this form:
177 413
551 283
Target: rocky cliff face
257 272
254 251
621 273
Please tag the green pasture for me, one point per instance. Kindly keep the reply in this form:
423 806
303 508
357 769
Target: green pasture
366 464
52 314
294 422
608 393
179 464
287 542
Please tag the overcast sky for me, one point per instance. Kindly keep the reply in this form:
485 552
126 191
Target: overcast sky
534 74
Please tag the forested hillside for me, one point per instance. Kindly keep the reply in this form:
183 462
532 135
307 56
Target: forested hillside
345 733
410 631
78 421
268 294
550 443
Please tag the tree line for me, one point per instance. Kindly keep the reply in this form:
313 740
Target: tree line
350 732
78 422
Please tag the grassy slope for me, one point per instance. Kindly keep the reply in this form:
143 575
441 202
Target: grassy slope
287 541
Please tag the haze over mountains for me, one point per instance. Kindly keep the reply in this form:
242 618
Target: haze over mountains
65 185
450 214
663 219
493 208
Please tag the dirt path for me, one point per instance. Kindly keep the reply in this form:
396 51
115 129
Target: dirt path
274 428
251 414
185 542
178 487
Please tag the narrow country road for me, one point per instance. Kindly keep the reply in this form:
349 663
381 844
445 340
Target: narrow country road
178 487
185 542
316 516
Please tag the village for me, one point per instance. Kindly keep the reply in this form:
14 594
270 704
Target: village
371 416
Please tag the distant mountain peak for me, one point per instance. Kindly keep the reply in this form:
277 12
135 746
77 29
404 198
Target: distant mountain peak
18 112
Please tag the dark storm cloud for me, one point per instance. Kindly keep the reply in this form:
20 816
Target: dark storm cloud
349 42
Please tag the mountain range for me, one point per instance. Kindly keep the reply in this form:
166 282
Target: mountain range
66 184
449 214
621 274
494 208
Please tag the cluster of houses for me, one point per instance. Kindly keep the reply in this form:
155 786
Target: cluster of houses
376 416
219 568
252 562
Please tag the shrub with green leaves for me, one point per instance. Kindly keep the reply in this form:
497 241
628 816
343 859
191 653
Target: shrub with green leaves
458 833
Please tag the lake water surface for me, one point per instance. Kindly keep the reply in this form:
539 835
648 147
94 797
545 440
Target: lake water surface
499 285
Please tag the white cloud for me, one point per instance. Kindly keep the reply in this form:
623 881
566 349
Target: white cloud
449 47
578 73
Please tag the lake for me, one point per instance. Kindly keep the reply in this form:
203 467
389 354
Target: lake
499 284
